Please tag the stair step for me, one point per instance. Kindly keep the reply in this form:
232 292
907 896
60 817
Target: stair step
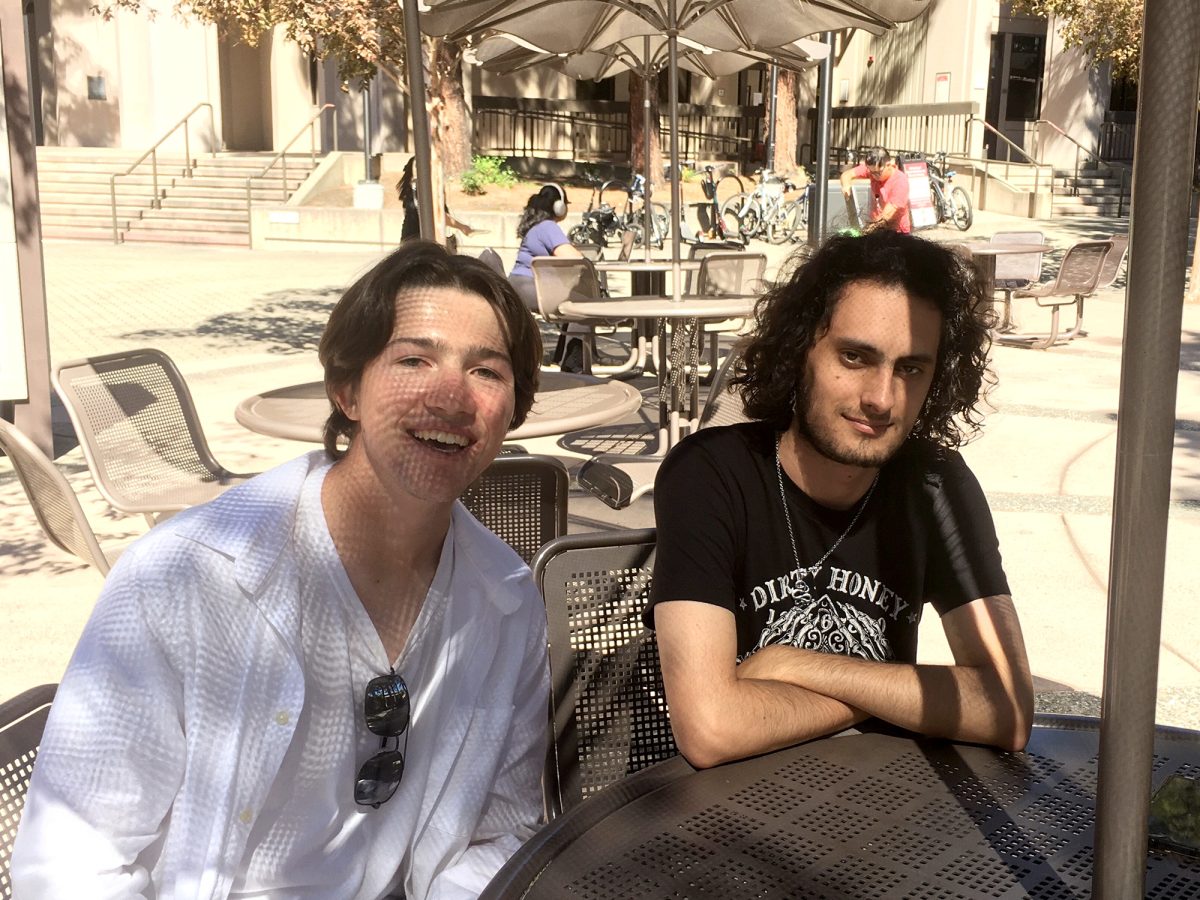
186 237
234 216
176 202
189 224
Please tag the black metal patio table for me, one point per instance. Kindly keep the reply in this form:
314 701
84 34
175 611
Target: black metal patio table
856 816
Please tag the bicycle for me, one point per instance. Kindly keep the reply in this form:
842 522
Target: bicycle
598 224
765 212
719 229
631 215
953 205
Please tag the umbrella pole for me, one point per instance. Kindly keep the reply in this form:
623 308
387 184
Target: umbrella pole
820 188
1158 225
673 100
647 123
415 64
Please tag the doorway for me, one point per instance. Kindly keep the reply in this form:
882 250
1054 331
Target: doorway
1014 97
245 93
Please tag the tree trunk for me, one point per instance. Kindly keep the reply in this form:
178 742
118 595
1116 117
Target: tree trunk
637 134
786 124
449 118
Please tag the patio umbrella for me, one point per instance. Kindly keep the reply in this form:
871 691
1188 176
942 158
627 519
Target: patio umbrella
565 26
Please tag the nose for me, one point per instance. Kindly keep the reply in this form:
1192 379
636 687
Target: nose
450 396
879 391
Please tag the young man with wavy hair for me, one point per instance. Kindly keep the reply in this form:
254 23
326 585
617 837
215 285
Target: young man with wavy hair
797 551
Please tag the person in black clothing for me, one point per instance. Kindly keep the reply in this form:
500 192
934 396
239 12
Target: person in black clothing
796 551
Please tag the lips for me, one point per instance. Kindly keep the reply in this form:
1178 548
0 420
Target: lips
442 441
869 427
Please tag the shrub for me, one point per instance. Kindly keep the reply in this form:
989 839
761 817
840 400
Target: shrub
487 170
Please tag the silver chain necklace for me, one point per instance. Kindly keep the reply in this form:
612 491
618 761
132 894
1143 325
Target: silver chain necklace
811 571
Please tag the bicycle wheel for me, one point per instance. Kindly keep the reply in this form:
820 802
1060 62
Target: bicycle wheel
795 219
662 224
731 216
960 208
752 221
776 227
581 234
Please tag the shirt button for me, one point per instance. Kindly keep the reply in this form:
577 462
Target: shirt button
282 717
246 816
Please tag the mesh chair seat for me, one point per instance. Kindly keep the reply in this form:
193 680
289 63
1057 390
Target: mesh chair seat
54 503
140 432
610 715
1077 277
22 721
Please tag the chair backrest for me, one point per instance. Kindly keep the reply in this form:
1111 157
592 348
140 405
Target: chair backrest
702 249
139 431
54 503
723 407
1080 269
492 260
1112 261
22 721
610 715
627 239
523 499
1016 270
731 274
558 280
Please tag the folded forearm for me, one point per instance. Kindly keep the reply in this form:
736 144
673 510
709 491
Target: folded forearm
957 702
758 716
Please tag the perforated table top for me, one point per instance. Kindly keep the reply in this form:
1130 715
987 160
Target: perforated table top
859 816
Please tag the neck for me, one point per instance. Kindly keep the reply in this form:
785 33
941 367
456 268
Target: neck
828 482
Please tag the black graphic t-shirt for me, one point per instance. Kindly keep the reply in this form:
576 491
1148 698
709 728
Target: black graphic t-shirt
926 535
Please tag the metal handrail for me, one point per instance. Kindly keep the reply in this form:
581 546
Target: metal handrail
987 163
152 153
311 127
1093 154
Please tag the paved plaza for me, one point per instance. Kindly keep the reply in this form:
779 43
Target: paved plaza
238 322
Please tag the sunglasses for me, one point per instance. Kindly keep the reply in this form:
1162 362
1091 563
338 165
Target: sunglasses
386 708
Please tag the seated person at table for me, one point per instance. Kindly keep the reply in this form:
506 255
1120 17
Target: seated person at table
331 682
889 190
796 551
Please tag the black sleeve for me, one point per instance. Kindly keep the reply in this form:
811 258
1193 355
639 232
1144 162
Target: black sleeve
964 553
697 521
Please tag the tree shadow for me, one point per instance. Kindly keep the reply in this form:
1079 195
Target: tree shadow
279 322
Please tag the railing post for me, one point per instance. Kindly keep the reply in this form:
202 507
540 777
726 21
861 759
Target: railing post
187 150
154 169
112 190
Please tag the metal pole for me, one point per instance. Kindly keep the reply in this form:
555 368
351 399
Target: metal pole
1166 131
769 150
817 203
415 64
673 100
366 94
647 124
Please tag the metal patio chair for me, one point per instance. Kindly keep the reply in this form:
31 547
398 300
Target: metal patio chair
140 433
559 279
1077 278
1112 261
22 720
54 503
609 708
1016 271
523 499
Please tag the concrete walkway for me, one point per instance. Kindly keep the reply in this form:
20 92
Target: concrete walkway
238 322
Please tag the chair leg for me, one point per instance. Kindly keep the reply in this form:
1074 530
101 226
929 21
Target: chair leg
1048 342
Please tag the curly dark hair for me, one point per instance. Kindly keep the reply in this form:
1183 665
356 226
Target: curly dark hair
363 320
797 311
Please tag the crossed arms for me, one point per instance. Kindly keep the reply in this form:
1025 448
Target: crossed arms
721 711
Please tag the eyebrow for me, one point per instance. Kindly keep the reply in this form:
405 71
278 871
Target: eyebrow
475 351
864 347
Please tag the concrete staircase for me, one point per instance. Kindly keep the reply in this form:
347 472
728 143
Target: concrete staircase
207 208
1097 192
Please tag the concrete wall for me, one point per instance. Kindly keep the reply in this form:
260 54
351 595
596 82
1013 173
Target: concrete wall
1074 96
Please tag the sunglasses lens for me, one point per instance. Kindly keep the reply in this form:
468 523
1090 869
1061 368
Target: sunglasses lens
378 778
385 705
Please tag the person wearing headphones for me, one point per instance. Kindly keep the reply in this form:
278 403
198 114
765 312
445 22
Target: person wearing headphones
541 235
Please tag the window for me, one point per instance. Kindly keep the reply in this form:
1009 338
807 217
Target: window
1025 64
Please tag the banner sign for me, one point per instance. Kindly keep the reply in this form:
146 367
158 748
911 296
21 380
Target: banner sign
920 196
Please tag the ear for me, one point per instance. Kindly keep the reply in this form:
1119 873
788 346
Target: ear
345 398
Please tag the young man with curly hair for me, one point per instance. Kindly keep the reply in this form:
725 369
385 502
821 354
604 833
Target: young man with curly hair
797 551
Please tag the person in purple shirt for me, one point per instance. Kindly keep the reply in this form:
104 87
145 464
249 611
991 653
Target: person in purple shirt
541 235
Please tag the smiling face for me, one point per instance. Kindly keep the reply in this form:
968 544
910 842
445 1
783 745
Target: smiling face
433 407
868 375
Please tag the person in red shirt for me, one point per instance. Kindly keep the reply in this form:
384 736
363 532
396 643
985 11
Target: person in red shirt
889 186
